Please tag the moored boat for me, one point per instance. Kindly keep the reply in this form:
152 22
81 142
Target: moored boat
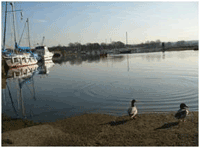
43 53
126 51
19 60
17 57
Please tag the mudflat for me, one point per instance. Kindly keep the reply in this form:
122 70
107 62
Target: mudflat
154 129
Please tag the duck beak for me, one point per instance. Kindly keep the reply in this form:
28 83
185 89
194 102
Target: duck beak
186 107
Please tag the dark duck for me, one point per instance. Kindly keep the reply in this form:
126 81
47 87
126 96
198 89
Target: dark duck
182 112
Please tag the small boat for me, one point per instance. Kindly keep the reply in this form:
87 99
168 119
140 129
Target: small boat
126 51
43 53
111 52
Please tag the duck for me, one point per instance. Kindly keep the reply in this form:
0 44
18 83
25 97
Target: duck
182 112
132 111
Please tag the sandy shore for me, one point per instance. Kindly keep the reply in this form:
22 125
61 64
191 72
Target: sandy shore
155 129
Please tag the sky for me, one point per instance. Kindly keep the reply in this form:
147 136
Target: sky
67 22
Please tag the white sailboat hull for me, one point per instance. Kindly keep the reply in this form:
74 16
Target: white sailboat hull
19 60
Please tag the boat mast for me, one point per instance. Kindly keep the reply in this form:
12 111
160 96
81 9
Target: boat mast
28 33
126 40
4 38
22 35
42 41
14 24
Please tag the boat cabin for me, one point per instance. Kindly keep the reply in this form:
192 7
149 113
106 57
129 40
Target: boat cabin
43 53
41 50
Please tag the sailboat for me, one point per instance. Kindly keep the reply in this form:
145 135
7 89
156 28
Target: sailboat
126 50
18 57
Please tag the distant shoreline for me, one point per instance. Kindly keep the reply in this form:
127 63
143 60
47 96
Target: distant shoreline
131 49
149 50
154 129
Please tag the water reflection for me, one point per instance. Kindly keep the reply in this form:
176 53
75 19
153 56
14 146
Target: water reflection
22 79
21 72
152 57
104 84
44 68
80 58
117 58
163 55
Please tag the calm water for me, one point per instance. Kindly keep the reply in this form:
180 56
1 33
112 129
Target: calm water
77 85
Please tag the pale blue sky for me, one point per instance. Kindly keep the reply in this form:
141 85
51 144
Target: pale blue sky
90 22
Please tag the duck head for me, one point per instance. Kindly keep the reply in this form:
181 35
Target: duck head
183 106
132 102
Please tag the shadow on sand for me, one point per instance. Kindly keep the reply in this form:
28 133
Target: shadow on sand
115 123
167 125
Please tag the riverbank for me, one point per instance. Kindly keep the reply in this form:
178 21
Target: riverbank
59 54
155 129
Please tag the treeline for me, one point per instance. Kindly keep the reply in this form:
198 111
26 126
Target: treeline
78 47
89 46
158 43
96 46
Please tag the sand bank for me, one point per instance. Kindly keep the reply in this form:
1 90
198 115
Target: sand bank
155 129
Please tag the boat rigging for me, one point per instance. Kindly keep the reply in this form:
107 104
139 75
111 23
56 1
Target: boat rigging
19 57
